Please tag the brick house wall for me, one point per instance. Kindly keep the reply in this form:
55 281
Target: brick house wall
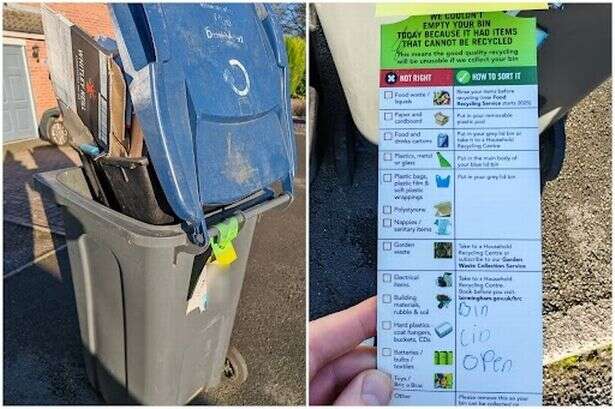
94 18
42 92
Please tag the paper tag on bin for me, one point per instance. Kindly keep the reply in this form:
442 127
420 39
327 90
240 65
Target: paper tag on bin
222 244
198 300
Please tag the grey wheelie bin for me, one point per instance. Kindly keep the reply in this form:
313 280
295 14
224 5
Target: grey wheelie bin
209 86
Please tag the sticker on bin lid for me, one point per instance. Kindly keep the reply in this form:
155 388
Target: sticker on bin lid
215 134
222 244
419 9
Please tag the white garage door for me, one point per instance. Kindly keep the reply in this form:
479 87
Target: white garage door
17 107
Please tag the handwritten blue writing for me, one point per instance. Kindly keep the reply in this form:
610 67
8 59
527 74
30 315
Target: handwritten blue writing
474 336
466 310
487 361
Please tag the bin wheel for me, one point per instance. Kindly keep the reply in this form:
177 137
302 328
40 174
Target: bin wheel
235 367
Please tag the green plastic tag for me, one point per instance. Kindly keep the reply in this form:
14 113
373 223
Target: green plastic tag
222 244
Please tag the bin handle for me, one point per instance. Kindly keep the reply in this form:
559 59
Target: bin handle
244 215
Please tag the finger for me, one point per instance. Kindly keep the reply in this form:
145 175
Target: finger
371 387
334 376
336 334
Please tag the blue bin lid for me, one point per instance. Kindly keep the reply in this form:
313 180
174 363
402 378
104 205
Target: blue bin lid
208 83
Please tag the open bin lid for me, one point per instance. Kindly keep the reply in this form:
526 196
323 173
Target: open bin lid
209 85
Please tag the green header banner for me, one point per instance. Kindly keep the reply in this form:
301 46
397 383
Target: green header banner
493 39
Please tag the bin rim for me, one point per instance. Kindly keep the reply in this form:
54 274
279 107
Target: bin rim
133 230
137 232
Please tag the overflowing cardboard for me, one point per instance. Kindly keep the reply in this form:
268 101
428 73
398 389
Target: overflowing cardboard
89 83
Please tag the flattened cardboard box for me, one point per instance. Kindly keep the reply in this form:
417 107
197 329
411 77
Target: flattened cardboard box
83 76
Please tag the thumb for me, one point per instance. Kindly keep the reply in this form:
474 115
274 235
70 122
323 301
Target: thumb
370 387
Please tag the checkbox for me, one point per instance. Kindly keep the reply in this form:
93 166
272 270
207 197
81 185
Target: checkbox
388 116
388 94
387 209
387 177
387 156
388 136
386 246
386 222
386 277
386 298
386 325
386 351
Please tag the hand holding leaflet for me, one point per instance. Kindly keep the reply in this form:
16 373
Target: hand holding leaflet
338 362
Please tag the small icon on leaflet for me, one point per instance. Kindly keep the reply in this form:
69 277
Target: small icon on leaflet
442 140
391 78
443 227
441 98
445 280
440 118
443 181
443 381
443 301
444 163
444 329
442 249
463 77
443 357
443 209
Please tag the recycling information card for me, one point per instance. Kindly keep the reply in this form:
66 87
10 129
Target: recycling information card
459 235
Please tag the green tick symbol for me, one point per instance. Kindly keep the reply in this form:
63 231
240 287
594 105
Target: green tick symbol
463 77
